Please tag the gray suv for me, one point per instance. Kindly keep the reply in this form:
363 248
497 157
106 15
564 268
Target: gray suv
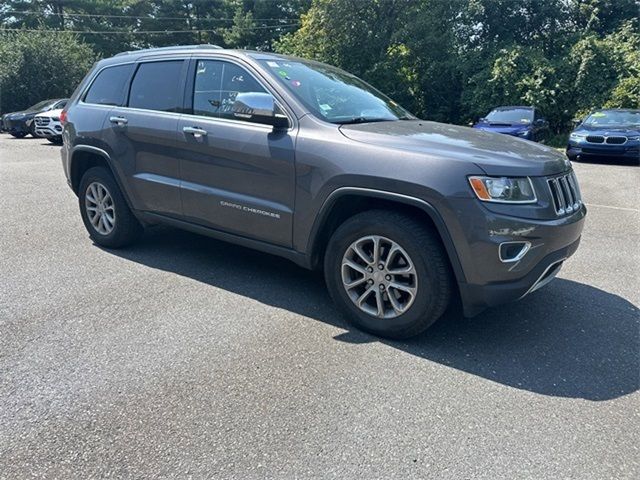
303 160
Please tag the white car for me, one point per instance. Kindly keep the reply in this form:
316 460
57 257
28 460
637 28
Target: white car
47 125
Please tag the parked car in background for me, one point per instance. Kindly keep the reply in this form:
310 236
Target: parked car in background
20 124
48 125
301 159
607 133
517 121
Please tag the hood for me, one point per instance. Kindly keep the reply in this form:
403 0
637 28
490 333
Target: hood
608 131
510 128
21 115
50 113
494 153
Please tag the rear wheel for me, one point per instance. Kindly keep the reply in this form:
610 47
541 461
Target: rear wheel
104 211
389 273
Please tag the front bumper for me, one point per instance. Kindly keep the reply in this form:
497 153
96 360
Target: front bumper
17 126
490 280
49 131
583 150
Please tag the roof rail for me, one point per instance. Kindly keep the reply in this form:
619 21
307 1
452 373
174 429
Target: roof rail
177 47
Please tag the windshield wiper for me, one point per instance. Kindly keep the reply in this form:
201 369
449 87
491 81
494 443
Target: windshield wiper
364 120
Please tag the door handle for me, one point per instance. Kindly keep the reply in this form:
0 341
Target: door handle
195 131
118 120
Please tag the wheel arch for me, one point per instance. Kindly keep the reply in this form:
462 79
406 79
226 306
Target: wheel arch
348 201
84 157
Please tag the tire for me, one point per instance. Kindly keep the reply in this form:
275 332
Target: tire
124 227
55 140
18 135
432 283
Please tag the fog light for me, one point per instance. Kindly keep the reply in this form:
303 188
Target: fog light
513 251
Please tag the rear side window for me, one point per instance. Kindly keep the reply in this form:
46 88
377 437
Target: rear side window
108 87
156 86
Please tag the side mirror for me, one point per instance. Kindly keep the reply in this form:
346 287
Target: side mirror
259 108
576 121
541 122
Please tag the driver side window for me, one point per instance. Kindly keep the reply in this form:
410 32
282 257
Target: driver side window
217 83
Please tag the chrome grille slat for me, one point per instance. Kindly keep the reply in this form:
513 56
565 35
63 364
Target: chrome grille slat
565 193
42 121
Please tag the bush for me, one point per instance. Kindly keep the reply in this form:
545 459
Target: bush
35 66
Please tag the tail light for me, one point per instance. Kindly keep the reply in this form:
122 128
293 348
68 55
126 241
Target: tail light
63 117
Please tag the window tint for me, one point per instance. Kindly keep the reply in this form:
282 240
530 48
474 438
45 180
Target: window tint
108 87
156 86
235 80
216 86
207 88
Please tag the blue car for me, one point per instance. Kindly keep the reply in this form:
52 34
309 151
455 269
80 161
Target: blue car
517 121
611 133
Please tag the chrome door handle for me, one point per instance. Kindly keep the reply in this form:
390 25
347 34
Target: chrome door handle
118 120
195 131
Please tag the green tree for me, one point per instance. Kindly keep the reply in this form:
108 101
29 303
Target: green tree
33 68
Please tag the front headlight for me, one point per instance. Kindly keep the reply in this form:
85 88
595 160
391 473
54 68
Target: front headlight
55 119
576 137
503 189
633 138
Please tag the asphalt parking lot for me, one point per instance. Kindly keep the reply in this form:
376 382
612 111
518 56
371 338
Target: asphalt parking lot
186 357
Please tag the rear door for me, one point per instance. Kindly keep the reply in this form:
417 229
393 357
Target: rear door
237 176
143 135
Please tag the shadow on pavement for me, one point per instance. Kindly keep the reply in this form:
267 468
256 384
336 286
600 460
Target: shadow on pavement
567 340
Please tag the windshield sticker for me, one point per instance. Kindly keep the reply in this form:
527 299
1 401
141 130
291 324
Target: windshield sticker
295 83
325 107
282 73
273 64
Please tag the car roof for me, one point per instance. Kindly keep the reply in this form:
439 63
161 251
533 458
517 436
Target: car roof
633 110
134 55
514 107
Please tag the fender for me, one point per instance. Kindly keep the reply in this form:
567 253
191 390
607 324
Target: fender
110 163
425 206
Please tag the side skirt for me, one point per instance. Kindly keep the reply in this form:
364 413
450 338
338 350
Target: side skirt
296 257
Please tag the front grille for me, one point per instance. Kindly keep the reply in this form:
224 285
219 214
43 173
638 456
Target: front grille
616 140
565 193
42 121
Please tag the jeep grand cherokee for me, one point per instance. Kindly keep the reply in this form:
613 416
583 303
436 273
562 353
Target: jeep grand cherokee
303 160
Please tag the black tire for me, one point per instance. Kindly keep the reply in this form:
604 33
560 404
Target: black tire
126 228
18 135
435 284
55 140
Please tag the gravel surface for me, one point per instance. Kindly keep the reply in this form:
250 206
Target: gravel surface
186 357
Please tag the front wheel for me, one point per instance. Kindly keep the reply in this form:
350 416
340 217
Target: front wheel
104 210
19 135
389 273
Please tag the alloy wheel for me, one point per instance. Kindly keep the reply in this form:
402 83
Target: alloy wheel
100 208
379 276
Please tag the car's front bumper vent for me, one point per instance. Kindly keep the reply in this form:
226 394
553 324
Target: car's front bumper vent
565 193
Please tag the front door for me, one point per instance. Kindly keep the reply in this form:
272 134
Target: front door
237 176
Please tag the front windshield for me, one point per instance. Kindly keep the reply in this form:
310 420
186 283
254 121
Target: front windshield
334 95
613 118
512 115
38 106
